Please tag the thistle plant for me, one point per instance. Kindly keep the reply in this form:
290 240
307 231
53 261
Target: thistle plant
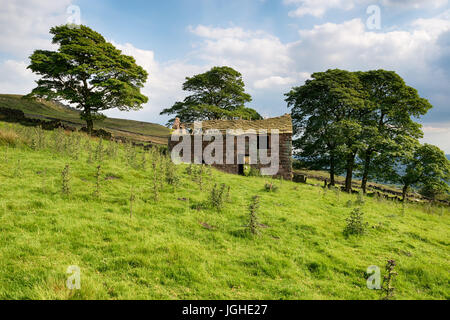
189 169
253 209
59 140
360 199
324 192
131 154
162 168
98 174
66 180
387 289
111 150
38 139
209 171
155 183
89 151
337 193
198 176
18 169
144 160
75 145
99 151
228 196
132 199
5 155
44 181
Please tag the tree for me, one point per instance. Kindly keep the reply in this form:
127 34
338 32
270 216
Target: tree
426 167
385 128
326 114
88 72
216 94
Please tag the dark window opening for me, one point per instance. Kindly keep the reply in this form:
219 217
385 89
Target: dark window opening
261 145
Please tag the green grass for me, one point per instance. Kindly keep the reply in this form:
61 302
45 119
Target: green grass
164 251
136 130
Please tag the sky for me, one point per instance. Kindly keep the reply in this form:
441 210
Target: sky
275 44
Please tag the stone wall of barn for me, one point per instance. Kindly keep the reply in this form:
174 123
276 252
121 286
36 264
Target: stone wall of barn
285 156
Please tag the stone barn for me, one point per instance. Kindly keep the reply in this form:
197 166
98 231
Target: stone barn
240 144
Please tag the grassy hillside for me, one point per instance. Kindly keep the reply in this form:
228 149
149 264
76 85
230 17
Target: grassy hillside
135 130
176 246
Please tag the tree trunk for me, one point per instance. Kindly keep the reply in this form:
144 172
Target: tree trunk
332 171
349 177
404 192
365 176
89 126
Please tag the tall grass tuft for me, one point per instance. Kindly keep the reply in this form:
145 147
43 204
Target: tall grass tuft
9 138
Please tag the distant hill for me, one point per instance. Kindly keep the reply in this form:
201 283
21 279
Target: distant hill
134 130
448 156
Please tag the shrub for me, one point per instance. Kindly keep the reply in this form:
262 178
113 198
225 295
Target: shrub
250 171
355 223
217 197
171 173
270 187
434 190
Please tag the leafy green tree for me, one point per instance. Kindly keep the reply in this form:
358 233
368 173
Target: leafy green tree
326 113
426 167
216 94
89 73
389 124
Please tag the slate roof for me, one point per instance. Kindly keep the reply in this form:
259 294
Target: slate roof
283 124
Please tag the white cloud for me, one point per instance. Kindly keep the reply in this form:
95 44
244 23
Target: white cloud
220 33
164 84
415 4
25 24
275 81
318 8
15 77
438 134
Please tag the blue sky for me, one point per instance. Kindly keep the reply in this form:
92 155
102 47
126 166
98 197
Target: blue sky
274 44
